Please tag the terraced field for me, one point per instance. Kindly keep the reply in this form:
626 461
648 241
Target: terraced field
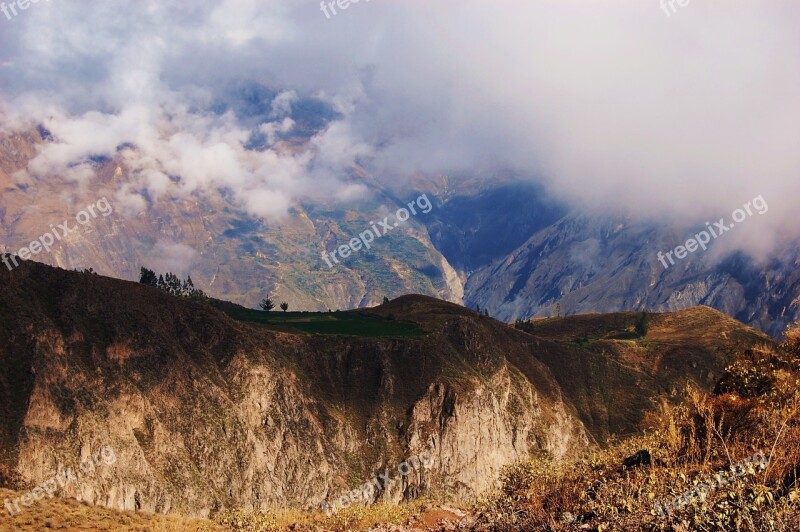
350 323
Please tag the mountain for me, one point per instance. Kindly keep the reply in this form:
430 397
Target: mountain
206 412
228 252
605 264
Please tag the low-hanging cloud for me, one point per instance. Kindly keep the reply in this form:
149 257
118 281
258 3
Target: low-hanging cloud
614 105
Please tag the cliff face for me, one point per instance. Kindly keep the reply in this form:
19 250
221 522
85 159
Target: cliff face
203 412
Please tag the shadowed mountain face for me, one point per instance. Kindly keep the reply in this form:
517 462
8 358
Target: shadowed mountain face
473 231
593 264
204 412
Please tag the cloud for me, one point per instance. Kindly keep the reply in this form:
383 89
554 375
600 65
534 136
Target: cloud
166 256
614 106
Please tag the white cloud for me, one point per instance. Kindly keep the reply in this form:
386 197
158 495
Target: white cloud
612 105
166 256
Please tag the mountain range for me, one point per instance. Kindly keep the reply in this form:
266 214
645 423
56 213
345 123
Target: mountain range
503 245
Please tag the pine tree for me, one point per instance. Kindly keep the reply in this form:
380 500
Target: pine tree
147 277
643 324
267 305
188 287
171 284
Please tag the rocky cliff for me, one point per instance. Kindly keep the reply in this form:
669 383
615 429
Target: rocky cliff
204 412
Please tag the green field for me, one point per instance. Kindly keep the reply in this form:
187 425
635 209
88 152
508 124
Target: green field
349 323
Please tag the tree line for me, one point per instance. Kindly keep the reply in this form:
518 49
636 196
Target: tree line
171 284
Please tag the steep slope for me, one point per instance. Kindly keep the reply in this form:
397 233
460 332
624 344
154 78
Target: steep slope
228 252
614 377
204 413
605 264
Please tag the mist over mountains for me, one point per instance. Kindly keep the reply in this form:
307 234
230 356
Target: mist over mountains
293 123
666 130
510 248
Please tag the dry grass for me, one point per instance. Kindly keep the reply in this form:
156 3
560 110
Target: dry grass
71 515
351 518
755 407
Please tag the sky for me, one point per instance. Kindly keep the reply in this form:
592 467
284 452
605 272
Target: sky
679 114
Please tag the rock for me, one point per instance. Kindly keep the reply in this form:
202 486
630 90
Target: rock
637 459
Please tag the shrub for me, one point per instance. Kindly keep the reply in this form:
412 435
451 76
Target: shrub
643 324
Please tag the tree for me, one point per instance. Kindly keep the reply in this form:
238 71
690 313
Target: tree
643 324
478 309
385 300
171 283
486 312
175 284
558 310
523 325
267 305
147 277
284 306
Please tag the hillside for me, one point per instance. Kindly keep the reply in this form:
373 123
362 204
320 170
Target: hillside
614 377
207 413
204 412
717 461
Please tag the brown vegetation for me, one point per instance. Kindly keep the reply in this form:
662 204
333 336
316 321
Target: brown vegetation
70 515
753 408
